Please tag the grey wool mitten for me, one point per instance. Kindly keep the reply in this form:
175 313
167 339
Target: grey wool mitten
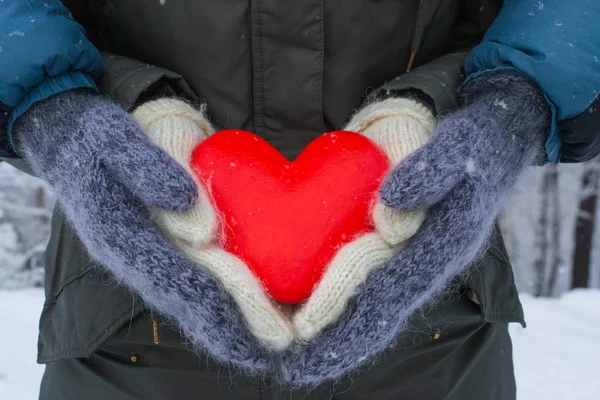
462 176
105 171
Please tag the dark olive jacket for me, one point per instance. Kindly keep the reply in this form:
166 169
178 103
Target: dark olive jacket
288 71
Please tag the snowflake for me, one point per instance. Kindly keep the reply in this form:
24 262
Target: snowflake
470 166
500 103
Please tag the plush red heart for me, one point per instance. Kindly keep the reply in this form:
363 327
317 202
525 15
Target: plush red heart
285 219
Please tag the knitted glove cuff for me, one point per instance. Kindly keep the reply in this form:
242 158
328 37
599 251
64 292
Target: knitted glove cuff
393 107
398 126
157 110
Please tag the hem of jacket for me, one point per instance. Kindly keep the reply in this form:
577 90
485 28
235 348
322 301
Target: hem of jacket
553 141
505 318
86 351
48 87
475 281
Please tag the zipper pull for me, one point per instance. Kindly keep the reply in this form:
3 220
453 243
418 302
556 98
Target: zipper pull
411 61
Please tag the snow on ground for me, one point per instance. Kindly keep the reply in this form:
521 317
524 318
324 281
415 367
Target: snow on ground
25 213
555 357
19 314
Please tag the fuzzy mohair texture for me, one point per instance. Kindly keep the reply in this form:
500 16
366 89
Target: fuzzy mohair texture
104 171
462 175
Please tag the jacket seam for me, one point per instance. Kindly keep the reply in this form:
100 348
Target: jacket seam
322 64
72 277
494 253
258 70
68 281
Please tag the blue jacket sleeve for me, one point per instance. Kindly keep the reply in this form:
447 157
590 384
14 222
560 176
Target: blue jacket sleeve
557 44
43 51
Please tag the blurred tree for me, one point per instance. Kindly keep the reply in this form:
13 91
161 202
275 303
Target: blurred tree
584 228
548 261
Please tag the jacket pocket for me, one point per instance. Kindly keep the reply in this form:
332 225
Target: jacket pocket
84 304
491 285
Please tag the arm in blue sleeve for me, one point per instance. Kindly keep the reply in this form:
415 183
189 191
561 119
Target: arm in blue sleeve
556 43
43 51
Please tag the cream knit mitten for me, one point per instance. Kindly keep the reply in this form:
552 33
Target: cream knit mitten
399 127
178 128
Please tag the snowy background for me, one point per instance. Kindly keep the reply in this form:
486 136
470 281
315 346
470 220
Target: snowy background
548 224
25 213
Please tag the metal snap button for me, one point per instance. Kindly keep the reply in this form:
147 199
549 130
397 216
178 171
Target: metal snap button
135 357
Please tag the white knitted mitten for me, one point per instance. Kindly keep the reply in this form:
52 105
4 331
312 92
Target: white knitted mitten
348 269
178 128
398 127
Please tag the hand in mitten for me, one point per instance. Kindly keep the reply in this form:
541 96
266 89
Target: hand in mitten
399 127
178 128
462 176
104 171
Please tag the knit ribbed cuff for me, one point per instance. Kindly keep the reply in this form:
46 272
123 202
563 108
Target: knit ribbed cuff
49 87
388 108
156 110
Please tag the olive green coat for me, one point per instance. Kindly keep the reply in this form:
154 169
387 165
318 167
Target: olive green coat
288 71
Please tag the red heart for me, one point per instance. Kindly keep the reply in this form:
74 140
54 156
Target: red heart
285 219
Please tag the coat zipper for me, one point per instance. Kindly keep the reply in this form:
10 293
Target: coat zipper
418 35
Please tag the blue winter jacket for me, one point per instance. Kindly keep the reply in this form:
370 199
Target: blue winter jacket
43 51
557 44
